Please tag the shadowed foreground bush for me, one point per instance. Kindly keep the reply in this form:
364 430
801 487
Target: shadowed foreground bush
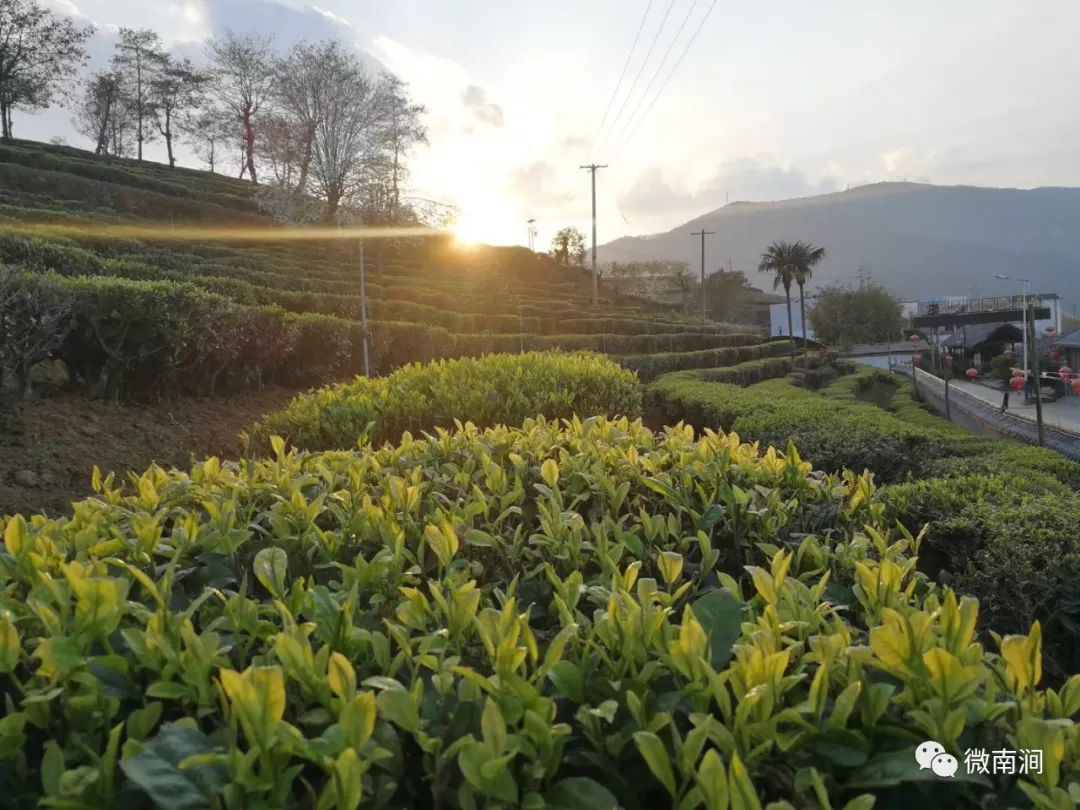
586 616
497 389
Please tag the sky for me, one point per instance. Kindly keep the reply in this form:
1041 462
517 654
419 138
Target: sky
773 99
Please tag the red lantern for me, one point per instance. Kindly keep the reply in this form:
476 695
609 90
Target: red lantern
914 341
1076 386
1065 372
917 359
1017 383
1051 329
972 373
1018 372
949 359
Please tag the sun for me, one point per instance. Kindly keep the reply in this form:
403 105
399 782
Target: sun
487 222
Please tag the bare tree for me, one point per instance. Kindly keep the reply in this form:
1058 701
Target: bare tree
351 146
406 131
176 88
140 58
301 90
242 78
38 50
212 133
97 108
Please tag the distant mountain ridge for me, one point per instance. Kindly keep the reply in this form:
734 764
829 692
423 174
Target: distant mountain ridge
917 239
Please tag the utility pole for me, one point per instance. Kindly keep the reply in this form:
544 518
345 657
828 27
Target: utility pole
363 312
1030 335
703 233
591 168
532 233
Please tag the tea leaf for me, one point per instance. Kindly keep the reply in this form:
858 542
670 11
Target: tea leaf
656 757
271 566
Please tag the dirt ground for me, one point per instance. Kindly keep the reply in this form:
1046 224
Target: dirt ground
50 444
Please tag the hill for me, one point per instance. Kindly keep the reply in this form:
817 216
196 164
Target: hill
127 281
916 239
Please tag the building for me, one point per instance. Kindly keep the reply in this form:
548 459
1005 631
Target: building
958 304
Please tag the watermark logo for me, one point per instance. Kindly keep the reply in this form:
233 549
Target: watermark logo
933 756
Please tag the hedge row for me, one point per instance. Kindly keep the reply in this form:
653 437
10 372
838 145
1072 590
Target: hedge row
1002 516
741 348
497 389
124 338
580 616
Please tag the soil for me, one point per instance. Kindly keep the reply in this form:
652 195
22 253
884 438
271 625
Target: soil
50 444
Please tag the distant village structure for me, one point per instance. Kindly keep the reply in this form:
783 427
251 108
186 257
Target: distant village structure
1001 325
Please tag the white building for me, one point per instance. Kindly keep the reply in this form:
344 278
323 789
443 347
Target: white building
778 324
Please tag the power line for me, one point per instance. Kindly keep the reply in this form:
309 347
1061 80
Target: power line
660 92
641 68
659 69
622 75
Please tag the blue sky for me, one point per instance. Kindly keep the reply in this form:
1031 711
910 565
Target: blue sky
776 98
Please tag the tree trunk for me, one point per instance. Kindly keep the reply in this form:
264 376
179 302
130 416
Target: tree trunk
790 328
4 119
249 144
305 161
167 132
802 317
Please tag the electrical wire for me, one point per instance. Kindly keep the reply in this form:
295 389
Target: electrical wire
660 92
622 75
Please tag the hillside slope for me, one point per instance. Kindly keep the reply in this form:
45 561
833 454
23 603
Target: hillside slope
917 239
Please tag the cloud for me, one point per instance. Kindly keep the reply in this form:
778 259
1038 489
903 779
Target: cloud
754 177
475 99
538 184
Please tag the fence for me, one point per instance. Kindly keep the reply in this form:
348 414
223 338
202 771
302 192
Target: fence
982 417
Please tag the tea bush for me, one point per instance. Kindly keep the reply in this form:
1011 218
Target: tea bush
580 616
492 390
742 349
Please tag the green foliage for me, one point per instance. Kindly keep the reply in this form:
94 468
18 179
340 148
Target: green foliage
586 615
1001 368
868 314
497 389
742 349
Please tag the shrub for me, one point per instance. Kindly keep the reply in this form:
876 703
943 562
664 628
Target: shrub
651 366
544 616
1004 539
497 389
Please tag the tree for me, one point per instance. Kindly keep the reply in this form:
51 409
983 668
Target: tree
352 143
38 51
804 257
777 262
97 109
568 247
139 60
844 317
406 131
242 72
724 293
177 88
791 263
212 134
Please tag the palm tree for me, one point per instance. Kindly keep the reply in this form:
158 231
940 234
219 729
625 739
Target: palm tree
792 263
804 256
777 261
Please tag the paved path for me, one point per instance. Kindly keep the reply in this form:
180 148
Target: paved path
1063 413
982 404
